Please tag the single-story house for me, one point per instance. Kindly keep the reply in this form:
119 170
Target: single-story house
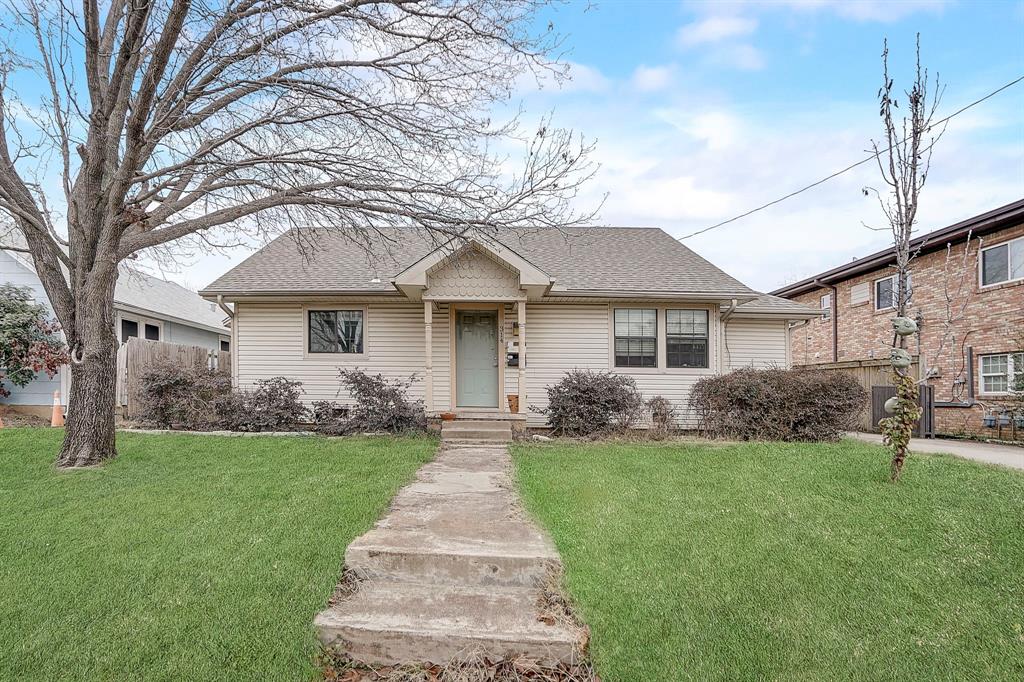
478 318
144 306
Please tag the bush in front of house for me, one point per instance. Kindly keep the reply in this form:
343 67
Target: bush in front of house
588 403
201 399
272 405
186 397
378 404
778 404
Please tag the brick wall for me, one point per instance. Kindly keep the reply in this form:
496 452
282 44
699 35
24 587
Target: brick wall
989 320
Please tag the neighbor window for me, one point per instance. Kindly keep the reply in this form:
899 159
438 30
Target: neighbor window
1000 373
129 329
636 337
1003 262
885 292
686 338
225 345
826 306
152 332
335 331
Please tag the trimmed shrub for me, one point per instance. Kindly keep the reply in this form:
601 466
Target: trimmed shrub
379 404
201 399
587 403
191 398
273 405
778 404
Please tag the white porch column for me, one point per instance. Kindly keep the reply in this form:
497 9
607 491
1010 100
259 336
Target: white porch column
521 309
428 360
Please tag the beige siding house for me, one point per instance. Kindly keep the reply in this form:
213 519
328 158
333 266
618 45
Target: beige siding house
476 320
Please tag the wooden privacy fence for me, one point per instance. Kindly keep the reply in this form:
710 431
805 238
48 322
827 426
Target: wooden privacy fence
869 374
136 355
925 425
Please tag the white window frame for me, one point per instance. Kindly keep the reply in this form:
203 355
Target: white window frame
826 308
981 264
707 337
142 322
715 360
895 282
658 335
1011 372
335 358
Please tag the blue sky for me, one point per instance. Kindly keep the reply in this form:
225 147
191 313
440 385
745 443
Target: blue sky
702 111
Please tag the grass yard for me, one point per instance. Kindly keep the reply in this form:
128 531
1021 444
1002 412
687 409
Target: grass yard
791 562
186 558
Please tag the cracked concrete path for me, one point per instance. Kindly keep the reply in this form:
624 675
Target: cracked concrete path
454 569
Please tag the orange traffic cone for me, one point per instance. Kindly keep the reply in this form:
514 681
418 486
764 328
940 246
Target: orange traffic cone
58 411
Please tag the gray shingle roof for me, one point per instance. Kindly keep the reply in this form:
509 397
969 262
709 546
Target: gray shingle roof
148 293
766 303
142 291
607 259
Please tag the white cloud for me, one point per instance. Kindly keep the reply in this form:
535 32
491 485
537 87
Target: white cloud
714 129
743 57
652 78
714 29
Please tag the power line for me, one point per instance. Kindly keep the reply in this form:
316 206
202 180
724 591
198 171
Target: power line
848 168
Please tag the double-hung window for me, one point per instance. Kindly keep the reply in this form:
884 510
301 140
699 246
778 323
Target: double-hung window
336 331
636 337
1002 373
826 306
686 338
885 291
1003 262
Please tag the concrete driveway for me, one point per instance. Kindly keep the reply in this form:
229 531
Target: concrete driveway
992 453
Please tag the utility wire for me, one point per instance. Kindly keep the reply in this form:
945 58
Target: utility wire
848 168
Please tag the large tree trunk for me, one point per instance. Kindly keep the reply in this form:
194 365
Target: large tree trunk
89 434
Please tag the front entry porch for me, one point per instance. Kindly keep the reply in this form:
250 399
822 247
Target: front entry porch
486 357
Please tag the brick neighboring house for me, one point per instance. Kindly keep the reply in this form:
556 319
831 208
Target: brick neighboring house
972 363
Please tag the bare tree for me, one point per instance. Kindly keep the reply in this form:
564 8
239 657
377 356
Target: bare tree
195 121
904 159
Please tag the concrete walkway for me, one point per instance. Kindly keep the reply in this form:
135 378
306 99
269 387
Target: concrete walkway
992 453
454 570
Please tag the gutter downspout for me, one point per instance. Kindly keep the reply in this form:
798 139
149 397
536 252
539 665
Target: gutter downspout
725 329
835 318
790 327
220 304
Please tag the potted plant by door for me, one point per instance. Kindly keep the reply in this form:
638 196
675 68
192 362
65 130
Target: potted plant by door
447 416
513 402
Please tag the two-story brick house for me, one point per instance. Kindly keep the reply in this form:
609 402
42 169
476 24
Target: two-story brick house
967 294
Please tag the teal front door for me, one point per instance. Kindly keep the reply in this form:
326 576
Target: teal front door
476 358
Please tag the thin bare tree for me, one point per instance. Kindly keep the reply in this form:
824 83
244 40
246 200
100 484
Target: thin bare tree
195 121
904 159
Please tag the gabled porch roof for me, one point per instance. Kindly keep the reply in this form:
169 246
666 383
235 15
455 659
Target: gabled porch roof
415 279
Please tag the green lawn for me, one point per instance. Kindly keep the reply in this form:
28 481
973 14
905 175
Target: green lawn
187 557
789 562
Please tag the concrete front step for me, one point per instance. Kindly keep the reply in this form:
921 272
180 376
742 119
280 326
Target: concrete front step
498 432
485 565
389 623
476 423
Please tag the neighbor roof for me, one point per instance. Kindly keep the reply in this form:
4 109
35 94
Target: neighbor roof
587 260
984 223
766 304
167 299
149 294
